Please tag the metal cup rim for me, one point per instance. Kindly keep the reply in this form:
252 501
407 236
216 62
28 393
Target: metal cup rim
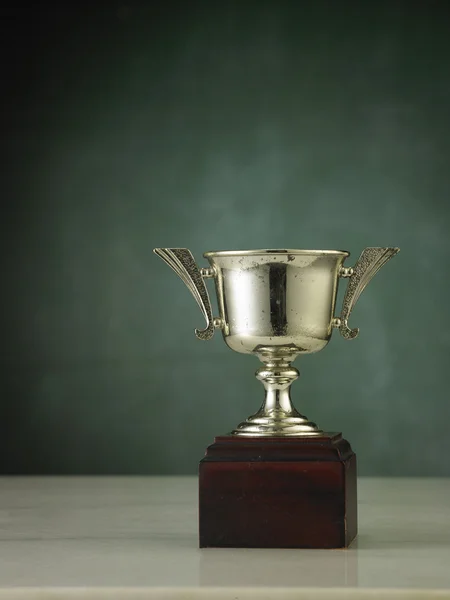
281 251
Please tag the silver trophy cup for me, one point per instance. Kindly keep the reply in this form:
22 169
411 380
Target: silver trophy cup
276 304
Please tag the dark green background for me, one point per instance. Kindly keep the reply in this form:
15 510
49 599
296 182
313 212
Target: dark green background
218 126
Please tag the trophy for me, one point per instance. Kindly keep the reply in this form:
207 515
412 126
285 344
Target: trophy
277 480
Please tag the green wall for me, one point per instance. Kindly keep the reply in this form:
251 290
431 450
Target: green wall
219 126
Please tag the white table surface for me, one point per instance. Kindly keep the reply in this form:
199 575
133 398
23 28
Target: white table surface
136 537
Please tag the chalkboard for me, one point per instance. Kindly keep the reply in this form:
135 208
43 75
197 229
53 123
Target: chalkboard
131 125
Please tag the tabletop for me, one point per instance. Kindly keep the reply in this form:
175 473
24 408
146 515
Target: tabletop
136 537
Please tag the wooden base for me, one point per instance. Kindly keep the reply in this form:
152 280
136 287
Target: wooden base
278 492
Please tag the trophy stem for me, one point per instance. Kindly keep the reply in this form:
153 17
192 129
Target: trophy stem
277 416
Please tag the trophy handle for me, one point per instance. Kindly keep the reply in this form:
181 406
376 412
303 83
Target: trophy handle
369 263
183 263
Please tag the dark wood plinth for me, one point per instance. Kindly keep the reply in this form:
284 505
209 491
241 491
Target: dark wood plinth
278 493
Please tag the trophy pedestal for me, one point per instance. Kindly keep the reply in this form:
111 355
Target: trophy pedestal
285 492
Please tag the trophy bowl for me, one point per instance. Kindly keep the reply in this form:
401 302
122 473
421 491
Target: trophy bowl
276 304
274 301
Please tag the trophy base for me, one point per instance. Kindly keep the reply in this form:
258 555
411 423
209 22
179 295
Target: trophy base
279 492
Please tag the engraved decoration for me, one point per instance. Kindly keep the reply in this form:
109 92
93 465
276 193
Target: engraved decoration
183 263
369 263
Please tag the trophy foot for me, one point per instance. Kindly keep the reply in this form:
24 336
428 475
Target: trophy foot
277 417
277 424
